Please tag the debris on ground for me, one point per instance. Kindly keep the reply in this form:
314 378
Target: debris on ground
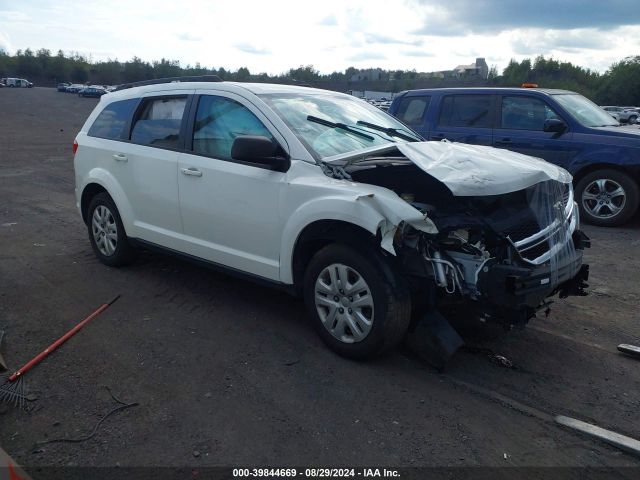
631 350
434 340
122 406
628 444
496 358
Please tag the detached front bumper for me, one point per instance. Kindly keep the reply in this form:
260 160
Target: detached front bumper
525 287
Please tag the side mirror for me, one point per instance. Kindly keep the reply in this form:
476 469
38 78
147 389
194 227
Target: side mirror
261 151
554 125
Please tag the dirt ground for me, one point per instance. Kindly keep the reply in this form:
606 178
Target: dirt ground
229 373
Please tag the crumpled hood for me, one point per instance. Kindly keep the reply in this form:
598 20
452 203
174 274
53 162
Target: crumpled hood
475 170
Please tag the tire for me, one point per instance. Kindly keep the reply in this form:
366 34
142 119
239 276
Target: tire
632 119
597 187
103 216
389 312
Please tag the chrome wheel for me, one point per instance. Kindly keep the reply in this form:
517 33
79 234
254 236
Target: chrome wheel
105 231
604 198
344 303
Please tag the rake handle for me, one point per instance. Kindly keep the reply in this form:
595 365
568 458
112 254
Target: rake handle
42 355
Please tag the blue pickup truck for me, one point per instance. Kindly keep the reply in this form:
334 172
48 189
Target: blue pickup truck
559 126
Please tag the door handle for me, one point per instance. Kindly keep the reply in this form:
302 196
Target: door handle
120 157
503 141
193 172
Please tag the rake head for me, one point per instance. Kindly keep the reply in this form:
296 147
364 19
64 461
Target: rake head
12 393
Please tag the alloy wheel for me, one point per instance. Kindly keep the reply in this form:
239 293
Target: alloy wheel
604 198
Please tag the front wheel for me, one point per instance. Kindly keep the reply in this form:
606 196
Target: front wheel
356 308
607 197
633 119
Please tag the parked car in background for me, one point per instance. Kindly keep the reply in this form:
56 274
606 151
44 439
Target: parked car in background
559 126
18 83
623 114
632 114
75 87
94 92
613 111
62 87
329 197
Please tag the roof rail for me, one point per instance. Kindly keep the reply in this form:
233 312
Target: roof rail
155 81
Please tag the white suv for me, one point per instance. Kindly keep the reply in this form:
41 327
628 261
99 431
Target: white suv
323 194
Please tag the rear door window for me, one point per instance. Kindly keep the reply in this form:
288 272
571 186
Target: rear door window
219 121
411 109
525 113
110 123
465 111
158 122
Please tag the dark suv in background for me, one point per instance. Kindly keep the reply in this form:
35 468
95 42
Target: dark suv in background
559 126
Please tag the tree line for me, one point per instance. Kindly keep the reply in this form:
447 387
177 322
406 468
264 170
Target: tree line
619 85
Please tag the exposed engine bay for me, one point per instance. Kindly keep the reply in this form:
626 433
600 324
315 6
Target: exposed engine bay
497 256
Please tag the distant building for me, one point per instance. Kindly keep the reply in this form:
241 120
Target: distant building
478 69
369 75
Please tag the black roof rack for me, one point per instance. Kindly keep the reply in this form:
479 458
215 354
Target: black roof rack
155 81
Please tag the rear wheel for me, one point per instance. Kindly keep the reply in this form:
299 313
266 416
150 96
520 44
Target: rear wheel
106 232
356 308
633 119
607 197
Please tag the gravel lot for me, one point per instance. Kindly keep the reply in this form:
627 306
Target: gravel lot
229 373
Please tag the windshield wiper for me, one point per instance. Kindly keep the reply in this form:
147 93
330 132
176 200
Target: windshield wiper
393 132
342 126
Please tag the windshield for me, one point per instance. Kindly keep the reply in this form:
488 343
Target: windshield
326 138
585 111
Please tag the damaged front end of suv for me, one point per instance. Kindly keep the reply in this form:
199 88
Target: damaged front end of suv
499 232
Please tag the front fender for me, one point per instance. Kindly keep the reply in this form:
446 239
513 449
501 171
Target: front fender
613 155
370 211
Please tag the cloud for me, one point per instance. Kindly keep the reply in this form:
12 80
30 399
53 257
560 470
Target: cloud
329 21
187 37
5 44
13 16
458 17
386 40
540 42
416 53
247 48
366 55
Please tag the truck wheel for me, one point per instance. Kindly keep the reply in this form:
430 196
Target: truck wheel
357 309
106 232
607 197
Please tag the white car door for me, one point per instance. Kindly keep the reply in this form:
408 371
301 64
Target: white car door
230 210
147 167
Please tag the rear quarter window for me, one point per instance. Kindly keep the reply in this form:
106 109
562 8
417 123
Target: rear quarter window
113 119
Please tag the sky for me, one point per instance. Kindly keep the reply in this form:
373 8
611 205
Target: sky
273 36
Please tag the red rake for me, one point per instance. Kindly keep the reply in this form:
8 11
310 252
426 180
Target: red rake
12 389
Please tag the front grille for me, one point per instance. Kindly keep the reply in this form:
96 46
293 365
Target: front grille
523 230
537 251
